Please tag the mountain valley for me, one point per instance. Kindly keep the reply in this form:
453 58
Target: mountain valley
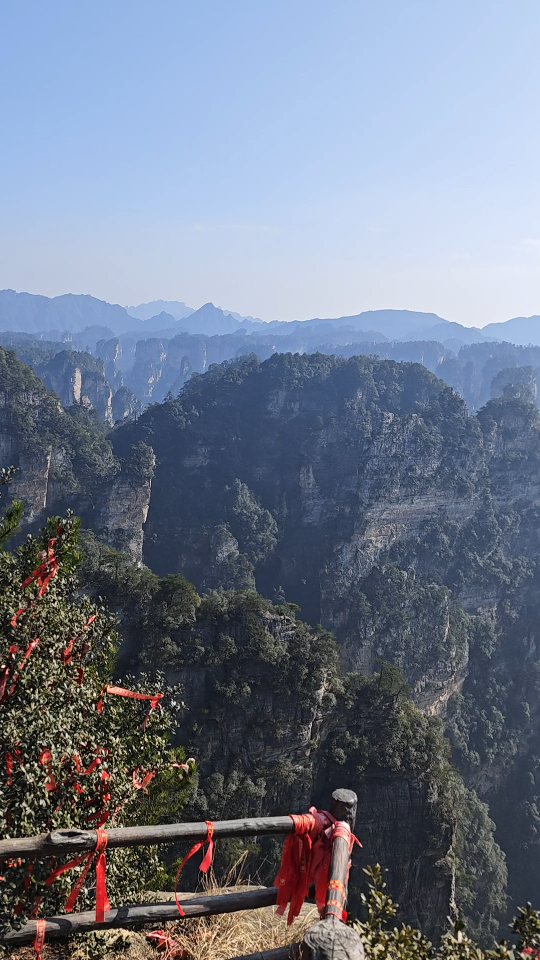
365 501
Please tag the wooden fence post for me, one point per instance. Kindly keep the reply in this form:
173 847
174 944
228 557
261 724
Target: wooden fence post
331 939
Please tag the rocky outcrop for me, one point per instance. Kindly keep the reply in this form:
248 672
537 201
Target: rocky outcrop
110 352
79 378
120 517
125 405
63 459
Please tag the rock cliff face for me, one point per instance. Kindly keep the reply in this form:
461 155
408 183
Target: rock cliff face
63 459
119 518
366 493
78 378
335 468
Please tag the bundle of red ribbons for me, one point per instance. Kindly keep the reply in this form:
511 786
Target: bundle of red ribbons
306 859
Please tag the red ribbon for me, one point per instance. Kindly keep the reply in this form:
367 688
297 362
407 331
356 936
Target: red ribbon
207 860
102 902
306 859
47 569
41 927
292 881
141 782
154 699
45 759
9 763
95 763
14 649
67 654
171 948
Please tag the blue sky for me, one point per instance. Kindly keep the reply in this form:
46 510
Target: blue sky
291 158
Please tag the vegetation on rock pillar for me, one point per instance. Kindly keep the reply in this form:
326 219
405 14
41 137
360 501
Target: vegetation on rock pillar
72 753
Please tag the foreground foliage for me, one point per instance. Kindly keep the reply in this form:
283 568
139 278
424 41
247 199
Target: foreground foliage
385 941
72 754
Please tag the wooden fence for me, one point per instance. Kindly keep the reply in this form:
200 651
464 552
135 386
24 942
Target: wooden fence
329 938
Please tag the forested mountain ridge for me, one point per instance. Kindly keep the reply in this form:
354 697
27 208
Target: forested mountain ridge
363 490
126 372
273 719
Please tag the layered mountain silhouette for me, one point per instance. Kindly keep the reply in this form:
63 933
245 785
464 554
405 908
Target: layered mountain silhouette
73 313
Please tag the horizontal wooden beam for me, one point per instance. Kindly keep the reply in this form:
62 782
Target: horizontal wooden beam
76 841
67 925
291 952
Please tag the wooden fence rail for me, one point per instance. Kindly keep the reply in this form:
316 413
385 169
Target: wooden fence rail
67 925
77 841
329 938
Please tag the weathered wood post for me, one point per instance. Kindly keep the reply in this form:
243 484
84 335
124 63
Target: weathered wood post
331 938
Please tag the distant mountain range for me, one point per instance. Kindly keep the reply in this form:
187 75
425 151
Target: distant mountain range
145 311
69 314
522 330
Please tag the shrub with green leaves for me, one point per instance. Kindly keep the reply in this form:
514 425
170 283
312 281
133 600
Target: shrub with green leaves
72 754
383 939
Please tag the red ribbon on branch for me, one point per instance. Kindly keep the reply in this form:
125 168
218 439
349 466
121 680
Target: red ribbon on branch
154 699
13 650
141 778
45 759
47 569
67 654
102 902
42 575
207 859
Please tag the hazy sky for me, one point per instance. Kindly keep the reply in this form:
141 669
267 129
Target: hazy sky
283 158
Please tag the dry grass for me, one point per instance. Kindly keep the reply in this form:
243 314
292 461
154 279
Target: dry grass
228 934
203 938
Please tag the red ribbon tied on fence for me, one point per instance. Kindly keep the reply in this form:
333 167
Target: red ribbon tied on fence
207 859
102 902
41 927
154 699
306 859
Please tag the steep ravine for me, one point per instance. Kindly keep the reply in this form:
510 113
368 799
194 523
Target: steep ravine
363 491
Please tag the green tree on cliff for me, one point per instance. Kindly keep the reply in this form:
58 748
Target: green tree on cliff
73 752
